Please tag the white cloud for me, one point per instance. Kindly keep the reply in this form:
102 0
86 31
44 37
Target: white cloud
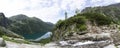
47 10
103 2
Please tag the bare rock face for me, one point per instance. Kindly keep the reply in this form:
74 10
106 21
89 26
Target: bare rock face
2 43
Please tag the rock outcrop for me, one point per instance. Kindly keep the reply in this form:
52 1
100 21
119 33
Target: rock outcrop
92 24
102 37
2 42
4 21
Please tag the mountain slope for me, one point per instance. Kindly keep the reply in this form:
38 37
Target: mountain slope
113 11
92 24
78 24
29 27
4 23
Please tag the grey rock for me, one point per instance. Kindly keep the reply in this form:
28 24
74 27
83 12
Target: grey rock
2 43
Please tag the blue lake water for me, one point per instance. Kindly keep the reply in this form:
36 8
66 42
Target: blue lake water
34 35
47 35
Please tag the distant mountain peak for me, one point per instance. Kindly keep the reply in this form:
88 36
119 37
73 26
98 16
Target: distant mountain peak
36 19
19 17
1 14
117 4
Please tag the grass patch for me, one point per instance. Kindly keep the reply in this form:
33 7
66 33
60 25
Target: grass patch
45 41
16 40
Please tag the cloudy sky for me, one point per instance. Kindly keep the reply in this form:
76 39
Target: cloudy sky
48 10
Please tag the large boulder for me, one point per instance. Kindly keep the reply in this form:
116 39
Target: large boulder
2 42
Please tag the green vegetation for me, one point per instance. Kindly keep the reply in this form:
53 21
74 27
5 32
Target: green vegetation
81 27
29 28
97 18
1 33
21 25
17 40
78 23
111 11
78 20
45 41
